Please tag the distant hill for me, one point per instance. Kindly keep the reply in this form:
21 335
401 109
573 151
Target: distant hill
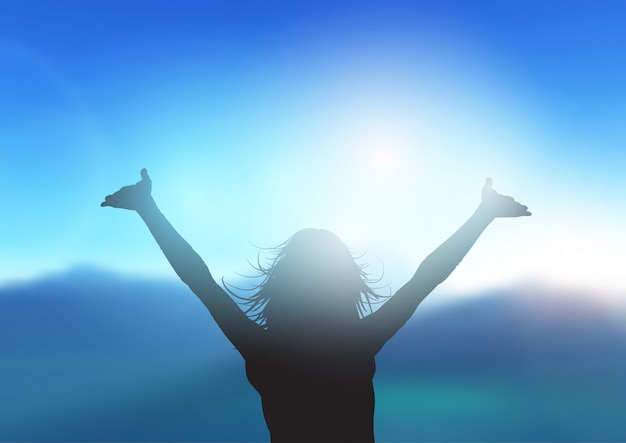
509 328
92 356
87 310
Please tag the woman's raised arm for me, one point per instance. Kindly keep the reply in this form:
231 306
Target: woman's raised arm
385 322
243 333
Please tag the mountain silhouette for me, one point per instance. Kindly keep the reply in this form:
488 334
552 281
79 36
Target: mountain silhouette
92 355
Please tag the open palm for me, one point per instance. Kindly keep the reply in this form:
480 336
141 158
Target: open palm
132 196
498 205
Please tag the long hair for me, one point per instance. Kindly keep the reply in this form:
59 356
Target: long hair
311 258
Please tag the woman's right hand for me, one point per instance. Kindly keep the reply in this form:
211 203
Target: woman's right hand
498 205
132 197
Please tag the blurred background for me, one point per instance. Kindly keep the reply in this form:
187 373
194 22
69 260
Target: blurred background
376 120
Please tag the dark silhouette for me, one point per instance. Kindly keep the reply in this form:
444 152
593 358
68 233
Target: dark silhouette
307 337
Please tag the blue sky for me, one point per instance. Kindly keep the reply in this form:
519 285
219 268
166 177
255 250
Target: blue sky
376 120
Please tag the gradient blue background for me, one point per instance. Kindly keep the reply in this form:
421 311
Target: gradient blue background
376 120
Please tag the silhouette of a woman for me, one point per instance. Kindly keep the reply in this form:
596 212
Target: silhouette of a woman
308 347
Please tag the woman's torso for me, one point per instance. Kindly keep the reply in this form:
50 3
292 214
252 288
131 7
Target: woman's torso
315 391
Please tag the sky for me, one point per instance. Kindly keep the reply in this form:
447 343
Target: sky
377 120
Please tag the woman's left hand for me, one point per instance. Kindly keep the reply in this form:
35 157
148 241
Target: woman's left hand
132 197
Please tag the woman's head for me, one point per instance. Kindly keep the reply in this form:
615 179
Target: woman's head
312 277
